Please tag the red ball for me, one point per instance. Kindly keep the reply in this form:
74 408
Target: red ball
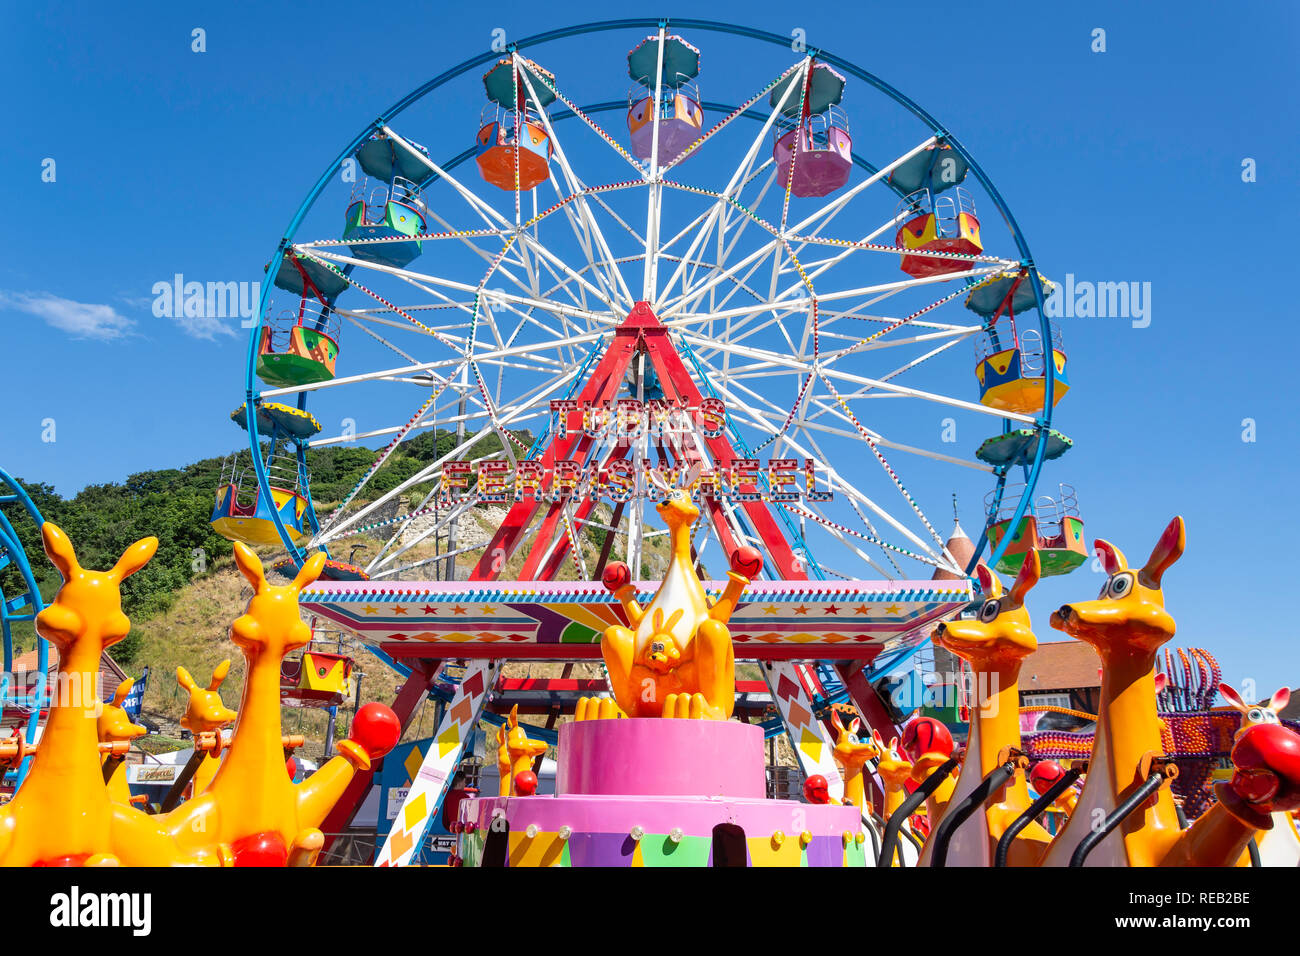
815 789
291 766
376 728
926 735
525 783
616 575
747 561
260 849
1267 760
1044 774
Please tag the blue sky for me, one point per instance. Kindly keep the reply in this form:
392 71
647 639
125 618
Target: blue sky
1119 166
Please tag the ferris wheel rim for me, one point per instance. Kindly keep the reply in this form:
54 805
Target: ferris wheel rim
1041 421
9 539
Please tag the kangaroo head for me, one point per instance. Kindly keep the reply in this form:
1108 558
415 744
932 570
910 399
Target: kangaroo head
850 752
677 509
1254 714
89 604
271 623
893 767
205 712
113 723
1001 634
661 652
1130 611
517 742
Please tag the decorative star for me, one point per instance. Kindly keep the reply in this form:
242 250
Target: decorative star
398 609
370 609
429 609
830 609
459 610
893 609
861 609
801 609
489 609
770 609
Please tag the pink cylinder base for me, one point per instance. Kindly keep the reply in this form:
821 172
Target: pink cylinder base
661 758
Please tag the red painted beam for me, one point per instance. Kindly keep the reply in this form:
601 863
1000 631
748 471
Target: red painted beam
408 700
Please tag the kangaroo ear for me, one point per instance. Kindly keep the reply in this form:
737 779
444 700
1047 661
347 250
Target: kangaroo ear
59 550
1281 697
311 570
893 742
123 689
1232 697
990 584
835 720
514 716
1162 681
692 473
1167 550
878 740
657 480
184 679
219 674
134 558
250 566
1112 558
854 724
1030 571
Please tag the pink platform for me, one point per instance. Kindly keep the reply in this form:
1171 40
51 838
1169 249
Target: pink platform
656 792
661 758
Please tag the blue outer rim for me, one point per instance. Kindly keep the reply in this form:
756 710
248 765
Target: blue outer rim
1043 421
12 491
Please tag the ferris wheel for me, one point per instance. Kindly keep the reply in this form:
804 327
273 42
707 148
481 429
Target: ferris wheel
763 268
20 602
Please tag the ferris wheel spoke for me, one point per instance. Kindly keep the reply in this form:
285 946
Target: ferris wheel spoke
577 189
721 200
480 205
738 179
545 306
591 124
827 212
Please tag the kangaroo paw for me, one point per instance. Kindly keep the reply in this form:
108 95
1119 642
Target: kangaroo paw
306 847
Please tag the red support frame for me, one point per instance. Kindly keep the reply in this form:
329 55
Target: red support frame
641 331
410 695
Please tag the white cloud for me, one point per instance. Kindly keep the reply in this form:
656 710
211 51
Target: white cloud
204 326
83 320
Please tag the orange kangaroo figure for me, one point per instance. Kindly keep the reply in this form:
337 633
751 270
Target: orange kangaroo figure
852 755
677 659
515 752
1127 624
894 770
205 713
1279 846
251 803
115 727
63 813
995 645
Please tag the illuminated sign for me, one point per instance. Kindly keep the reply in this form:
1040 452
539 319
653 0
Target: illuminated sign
618 478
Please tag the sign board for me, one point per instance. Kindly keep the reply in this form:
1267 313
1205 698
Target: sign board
152 774
131 703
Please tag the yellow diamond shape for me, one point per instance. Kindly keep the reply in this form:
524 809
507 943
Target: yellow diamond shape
415 812
448 740
412 764
811 744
